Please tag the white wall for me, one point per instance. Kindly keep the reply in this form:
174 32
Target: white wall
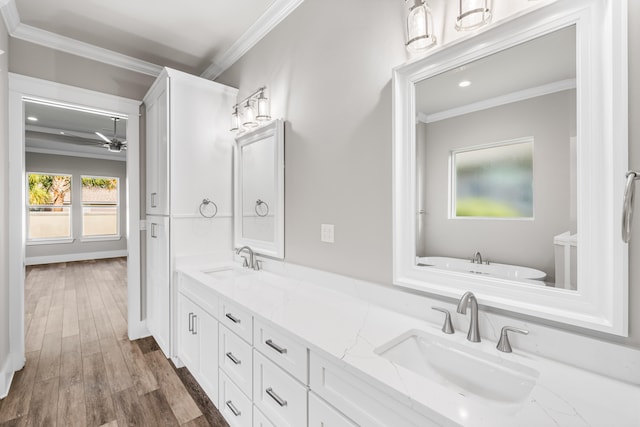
4 215
78 166
328 66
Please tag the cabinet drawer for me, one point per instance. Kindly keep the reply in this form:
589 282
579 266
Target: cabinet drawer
237 320
259 420
277 394
234 406
285 351
235 359
359 401
321 414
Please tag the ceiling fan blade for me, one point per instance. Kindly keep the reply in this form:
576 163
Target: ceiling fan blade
107 140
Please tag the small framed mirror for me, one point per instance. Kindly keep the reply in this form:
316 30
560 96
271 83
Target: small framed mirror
259 190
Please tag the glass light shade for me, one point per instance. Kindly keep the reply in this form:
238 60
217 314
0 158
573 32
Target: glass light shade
235 122
263 108
249 115
420 27
472 14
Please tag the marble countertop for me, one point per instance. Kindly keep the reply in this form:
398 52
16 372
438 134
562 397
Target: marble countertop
350 330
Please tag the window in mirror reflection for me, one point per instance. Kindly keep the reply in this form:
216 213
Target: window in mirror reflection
493 181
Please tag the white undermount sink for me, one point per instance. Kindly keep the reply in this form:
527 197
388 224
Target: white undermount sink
226 272
468 371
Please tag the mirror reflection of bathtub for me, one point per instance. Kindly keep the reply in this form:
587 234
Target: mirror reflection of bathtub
501 271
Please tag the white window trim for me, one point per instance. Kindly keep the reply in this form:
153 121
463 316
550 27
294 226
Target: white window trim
36 242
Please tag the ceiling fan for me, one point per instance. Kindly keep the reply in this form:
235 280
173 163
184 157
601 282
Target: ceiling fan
114 144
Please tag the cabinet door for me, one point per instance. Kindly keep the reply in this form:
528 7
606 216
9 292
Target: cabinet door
189 325
208 335
322 414
157 151
158 286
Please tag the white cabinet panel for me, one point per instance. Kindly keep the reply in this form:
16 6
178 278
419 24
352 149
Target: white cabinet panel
282 349
188 340
259 419
277 394
237 319
158 284
236 359
208 373
234 406
321 414
157 148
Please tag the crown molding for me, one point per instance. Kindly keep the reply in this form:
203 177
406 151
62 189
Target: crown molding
55 41
279 10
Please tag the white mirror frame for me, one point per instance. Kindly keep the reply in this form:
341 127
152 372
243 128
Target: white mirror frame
273 249
601 301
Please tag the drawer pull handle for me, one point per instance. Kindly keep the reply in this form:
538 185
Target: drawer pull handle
233 318
154 204
276 347
280 401
191 322
233 409
234 359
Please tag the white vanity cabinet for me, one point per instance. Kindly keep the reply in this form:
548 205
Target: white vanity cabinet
321 414
187 142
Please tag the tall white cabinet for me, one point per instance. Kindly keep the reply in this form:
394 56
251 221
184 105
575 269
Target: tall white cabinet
189 159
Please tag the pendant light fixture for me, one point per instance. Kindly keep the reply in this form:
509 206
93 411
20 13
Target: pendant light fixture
419 27
250 112
472 14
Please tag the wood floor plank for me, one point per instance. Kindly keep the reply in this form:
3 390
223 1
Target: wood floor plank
49 364
17 402
129 410
54 320
70 325
181 403
157 409
35 334
141 375
115 365
71 403
96 390
198 422
43 409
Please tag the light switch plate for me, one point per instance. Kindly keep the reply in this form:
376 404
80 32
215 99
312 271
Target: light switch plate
326 233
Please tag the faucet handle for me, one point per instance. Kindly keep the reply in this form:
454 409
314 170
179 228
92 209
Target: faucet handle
257 265
447 327
245 262
504 345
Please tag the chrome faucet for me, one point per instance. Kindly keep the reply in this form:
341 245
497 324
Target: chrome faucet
477 258
474 332
250 264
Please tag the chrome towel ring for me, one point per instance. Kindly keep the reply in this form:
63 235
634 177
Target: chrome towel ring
208 208
261 208
627 207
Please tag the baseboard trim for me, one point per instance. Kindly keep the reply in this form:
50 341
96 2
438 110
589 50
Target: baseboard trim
52 259
6 377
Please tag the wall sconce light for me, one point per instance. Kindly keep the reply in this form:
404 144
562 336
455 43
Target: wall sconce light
420 27
472 14
248 117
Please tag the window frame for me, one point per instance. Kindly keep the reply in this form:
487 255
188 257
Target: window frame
48 240
102 237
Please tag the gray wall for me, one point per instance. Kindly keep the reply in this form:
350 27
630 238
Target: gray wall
550 120
4 199
77 166
44 63
328 66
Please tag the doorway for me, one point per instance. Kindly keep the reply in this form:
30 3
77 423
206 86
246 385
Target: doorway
21 89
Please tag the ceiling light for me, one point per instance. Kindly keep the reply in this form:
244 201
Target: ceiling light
32 119
464 83
419 27
472 14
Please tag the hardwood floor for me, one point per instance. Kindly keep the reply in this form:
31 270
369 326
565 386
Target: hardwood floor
81 368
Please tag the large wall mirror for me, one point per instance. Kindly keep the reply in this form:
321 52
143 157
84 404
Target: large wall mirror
510 152
259 190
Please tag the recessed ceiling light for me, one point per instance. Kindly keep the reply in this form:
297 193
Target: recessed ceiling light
464 83
61 133
32 119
